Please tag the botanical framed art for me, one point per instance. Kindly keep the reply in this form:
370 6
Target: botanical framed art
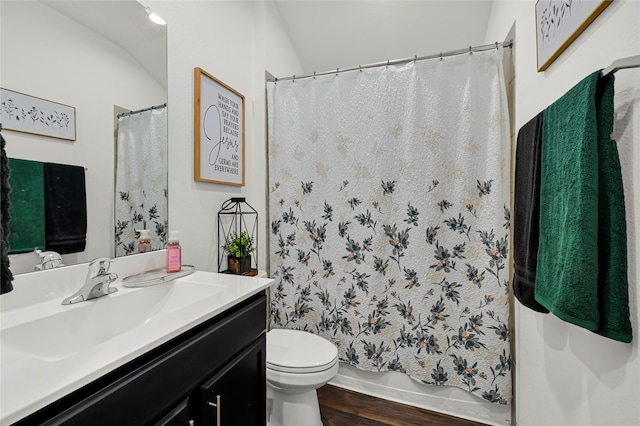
560 22
218 131
29 114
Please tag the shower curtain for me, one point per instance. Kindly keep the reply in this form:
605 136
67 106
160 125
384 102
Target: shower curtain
389 217
141 180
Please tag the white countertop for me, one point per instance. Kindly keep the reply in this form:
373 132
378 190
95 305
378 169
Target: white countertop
30 381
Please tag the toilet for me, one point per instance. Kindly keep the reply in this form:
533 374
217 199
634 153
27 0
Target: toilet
298 363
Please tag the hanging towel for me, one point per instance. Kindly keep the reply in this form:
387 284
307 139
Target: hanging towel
527 212
570 281
65 208
613 286
6 277
26 228
567 272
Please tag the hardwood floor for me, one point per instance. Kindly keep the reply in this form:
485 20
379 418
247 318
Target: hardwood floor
343 407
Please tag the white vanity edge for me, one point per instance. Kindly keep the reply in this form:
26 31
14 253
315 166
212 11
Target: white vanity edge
29 384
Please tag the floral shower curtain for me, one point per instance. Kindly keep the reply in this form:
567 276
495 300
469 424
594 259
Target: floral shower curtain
141 180
389 217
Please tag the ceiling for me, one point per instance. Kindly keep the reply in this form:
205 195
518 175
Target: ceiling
125 23
341 34
326 34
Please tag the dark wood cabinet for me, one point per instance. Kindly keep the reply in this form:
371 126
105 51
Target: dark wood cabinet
236 395
177 382
179 416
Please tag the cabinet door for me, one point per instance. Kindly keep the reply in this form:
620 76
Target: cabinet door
236 395
179 416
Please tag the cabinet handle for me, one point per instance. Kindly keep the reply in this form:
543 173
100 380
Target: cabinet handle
217 405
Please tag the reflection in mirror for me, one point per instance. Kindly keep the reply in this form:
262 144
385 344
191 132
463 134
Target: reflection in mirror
92 56
141 181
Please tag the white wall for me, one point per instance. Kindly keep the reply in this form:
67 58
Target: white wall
564 374
281 59
228 40
47 55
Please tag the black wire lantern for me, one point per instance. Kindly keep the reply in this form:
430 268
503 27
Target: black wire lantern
237 237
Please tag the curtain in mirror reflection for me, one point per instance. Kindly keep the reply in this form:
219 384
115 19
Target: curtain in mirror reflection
141 180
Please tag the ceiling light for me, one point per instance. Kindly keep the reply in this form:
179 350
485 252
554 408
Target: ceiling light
153 17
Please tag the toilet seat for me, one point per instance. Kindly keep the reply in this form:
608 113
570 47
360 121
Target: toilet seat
294 351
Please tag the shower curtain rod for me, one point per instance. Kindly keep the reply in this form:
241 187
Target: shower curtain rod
441 55
142 110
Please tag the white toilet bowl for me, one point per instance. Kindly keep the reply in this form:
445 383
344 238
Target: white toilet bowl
298 363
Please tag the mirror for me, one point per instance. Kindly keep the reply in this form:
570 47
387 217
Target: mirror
98 57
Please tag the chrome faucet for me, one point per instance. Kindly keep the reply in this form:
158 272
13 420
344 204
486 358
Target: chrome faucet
96 283
48 260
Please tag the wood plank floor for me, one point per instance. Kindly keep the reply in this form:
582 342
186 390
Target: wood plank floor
343 407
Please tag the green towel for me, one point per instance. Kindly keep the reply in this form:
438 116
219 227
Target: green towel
580 278
26 179
613 287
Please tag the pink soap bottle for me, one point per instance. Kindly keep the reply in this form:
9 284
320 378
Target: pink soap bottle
144 243
174 253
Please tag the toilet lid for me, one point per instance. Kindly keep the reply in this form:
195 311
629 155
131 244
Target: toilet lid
292 351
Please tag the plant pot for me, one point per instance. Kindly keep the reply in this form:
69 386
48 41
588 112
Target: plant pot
239 265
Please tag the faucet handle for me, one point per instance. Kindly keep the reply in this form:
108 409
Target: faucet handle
100 265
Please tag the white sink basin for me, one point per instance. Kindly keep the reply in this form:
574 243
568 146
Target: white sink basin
71 329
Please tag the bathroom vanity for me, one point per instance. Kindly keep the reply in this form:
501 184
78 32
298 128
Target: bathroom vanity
189 350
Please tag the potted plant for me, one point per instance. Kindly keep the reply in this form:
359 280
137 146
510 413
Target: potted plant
239 248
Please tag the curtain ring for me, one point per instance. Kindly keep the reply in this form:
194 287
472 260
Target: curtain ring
496 45
360 66
470 52
276 82
440 55
314 75
337 71
415 58
293 79
387 62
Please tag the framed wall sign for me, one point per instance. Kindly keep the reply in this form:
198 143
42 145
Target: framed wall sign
560 22
218 131
28 114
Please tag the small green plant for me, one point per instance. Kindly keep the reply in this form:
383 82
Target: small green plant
240 245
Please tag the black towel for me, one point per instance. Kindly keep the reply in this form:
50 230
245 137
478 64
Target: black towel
526 225
6 277
65 205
